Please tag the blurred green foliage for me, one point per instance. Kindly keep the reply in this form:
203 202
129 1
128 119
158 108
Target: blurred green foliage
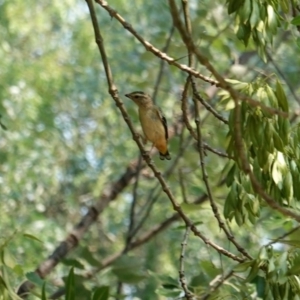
62 140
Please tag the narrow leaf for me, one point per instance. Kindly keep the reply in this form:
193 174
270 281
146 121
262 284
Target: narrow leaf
70 286
101 293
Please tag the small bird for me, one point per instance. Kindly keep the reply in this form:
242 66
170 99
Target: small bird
153 122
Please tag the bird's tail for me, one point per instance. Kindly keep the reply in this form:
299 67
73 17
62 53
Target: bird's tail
164 156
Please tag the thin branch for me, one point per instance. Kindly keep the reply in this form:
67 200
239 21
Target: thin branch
200 144
109 194
133 245
216 283
204 61
113 92
207 185
209 107
215 151
237 110
270 58
140 241
162 64
133 204
188 295
171 61
184 108
153 198
278 239
182 186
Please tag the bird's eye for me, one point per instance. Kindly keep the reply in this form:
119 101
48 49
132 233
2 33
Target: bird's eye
136 97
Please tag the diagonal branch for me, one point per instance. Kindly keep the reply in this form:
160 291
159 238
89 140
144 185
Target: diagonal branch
237 114
171 61
114 94
138 242
205 62
109 194
213 205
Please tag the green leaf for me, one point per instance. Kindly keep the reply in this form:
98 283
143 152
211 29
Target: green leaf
243 33
32 237
284 5
284 126
1 124
260 283
271 265
70 262
172 293
278 142
271 96
272 18
230 176
296 21
255 14
70 285
88 256
281 97
34 278
242 267
209 268
253 272
287 187
4 281
101 293
230 202
245 11
129 276
234 5
44 291
238 85
128 269
239 217
166 280
8 259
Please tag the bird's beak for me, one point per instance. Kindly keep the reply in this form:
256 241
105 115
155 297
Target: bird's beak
127 95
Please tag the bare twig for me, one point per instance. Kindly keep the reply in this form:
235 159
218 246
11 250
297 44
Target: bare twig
216 283
214 207
235 96
140 241
109 194
171 61
278 239
153 198
133 204
204 61
209 148
162 64
207 185
114 93
182 279
282 74
209 107
182 186
132 245
184 108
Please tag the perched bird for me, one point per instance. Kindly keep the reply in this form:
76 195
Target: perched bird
153 122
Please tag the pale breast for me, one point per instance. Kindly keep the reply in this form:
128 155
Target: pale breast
152 125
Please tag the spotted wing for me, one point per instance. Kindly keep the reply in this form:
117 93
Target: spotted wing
163 120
